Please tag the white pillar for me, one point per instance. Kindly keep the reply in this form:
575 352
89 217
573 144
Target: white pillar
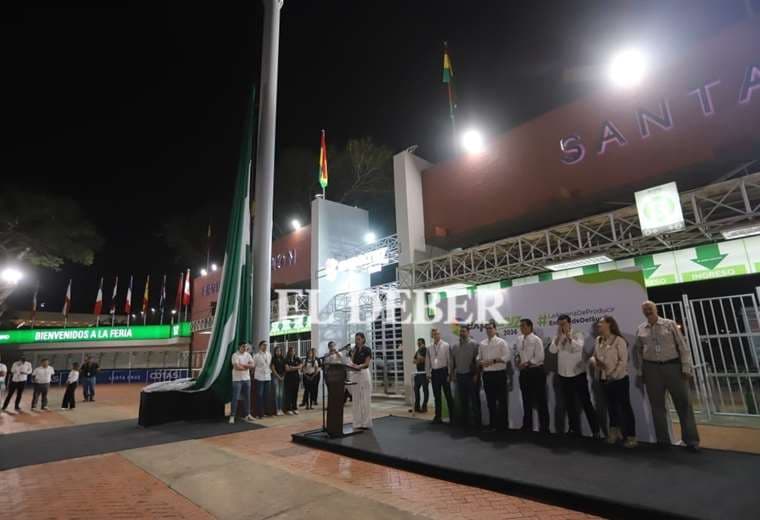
264 191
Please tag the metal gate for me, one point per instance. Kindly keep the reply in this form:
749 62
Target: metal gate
723 334
728 336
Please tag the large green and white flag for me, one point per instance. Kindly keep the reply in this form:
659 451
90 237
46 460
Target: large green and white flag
232 320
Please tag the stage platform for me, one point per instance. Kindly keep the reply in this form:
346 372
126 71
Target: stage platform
578 473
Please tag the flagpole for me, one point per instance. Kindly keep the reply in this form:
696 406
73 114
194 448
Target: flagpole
451 95
162 303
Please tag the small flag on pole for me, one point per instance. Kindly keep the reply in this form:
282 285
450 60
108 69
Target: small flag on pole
323 162
178 299
186 291
162 300
97 309
67 301
146 297
128 300
113 296
34 303
448 79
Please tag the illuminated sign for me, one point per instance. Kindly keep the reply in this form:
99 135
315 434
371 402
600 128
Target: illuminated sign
285 259
659 209
573 149
291 325
371 262
75 335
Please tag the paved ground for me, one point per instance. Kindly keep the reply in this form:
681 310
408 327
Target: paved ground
257 474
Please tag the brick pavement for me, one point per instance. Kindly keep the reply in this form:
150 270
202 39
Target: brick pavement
406 491
105 486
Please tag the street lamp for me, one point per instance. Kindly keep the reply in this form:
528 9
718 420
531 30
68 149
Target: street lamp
472 142
628 68
203 271
370 237
214 267
11 275
295 224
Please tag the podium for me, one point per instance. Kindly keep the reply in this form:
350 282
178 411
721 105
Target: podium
336 380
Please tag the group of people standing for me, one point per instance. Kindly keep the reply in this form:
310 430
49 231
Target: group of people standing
280 373
41 378
284 374
659 360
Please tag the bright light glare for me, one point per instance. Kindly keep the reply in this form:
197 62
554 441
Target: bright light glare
370 238
628 68
203 272
295 224
472 142
11 275
214 267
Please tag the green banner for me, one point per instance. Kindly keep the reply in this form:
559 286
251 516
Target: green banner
291 325
74 335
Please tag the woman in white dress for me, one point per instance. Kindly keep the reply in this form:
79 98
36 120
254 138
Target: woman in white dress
362 390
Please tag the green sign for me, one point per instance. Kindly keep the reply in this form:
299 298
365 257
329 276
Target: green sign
705 262
291 325
76 335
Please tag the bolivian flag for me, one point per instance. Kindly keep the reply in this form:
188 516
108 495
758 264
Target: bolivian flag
448 72
323 162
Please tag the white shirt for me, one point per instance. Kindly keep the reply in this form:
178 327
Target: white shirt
494 349
531 350
3 371
20 371
263 370
438 355
43 374
241 359
570 359
73 377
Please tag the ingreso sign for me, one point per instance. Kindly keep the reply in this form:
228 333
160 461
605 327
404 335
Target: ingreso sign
69 335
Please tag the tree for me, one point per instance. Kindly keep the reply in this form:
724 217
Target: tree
371 170
43 230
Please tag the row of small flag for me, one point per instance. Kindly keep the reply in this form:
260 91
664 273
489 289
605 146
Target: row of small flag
182 297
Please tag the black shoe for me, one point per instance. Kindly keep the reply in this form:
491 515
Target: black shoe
437 420
693 448
424 409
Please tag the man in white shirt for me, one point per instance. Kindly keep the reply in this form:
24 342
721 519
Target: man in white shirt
20 371
41 378
438 369
3 374
530 351
571 367
242 363
262 378
495 360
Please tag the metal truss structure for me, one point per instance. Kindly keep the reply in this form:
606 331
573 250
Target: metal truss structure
707 211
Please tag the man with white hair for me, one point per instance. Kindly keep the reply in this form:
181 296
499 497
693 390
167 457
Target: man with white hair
664 365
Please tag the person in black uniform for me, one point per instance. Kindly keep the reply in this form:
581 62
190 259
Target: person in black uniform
420 377
293 365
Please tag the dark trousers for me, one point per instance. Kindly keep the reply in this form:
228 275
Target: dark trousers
262 396
310 386
69 400
495 386
468 400
575 391
40 389
619 406
560 412
533 389
292 381
439 378
421 382
600 403
88 388
18 387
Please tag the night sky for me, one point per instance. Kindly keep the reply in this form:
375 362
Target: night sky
137 114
